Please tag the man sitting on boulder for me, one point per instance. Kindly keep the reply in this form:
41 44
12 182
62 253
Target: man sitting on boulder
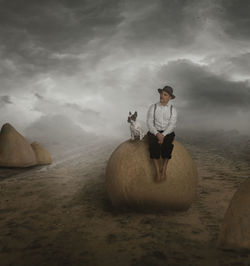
161 121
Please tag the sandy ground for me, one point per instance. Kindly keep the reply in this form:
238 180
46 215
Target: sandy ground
60 214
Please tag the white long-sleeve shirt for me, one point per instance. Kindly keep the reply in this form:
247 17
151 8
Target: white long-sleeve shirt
162 118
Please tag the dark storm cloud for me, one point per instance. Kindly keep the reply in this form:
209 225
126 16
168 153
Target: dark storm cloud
235 17
35 32
39 96
78 58
57 25
40 37
203 90
52 35
241 63
5 99
233 66
156 23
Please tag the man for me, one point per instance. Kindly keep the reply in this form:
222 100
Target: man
161 121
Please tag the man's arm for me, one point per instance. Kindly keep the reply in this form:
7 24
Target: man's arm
172 123
150 120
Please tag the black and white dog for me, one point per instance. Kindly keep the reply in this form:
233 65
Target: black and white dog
135 128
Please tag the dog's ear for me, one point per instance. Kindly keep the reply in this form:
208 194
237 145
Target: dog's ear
136 113
129 113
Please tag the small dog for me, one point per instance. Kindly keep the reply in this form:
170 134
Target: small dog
135 128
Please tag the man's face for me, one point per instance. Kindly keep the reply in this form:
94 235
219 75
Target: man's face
164 97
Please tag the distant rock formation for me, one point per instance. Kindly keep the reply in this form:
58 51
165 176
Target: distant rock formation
15 151
42 155
130 178
235 229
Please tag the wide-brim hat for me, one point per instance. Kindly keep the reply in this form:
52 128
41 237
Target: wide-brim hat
169 90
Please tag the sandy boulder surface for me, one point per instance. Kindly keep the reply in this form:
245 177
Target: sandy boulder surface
235 229
59 214
15 151
130 178
42 155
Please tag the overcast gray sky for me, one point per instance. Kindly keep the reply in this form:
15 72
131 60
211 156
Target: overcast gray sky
87 63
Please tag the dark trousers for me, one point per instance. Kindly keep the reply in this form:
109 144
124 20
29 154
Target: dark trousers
164 150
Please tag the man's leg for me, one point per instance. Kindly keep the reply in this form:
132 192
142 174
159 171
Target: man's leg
155 150
164 169
157 168
166 152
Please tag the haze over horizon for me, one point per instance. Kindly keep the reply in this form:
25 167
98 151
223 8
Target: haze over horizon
86 64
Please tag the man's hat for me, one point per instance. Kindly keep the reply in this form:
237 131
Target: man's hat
169 90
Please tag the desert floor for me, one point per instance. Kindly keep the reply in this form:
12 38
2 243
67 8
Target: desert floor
60 215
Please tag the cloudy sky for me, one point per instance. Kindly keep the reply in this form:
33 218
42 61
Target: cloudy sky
87 63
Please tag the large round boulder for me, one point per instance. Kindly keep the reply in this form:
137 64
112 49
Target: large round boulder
235 228
130 176
15 151
42 155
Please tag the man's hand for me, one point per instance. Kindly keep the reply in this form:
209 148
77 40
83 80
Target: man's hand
160 138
